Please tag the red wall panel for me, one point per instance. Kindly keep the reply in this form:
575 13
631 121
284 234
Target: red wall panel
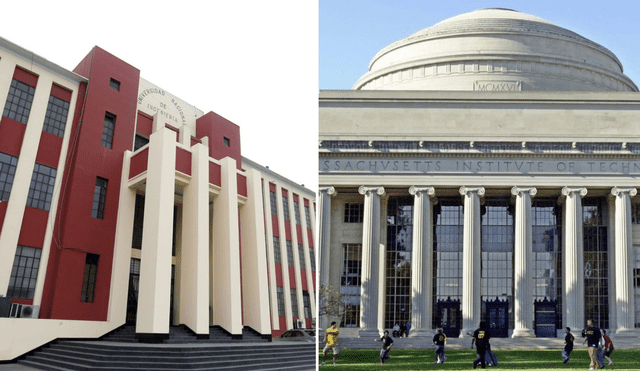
183 161
242 185
11 134
292 277
34 225
215 175
279 281
138 163
60 92
303 279
217 128
25 76
49 150
144 125
3 211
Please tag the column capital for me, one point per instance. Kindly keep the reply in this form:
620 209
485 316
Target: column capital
517 190
430 191
566 191
330 190
479 190
615 191
363 190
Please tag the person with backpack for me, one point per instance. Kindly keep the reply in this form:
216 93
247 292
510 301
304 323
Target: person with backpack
439 340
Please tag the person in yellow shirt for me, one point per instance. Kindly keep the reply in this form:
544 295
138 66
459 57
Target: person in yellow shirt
331 339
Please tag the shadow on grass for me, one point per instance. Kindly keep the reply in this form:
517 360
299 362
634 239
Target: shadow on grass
359 359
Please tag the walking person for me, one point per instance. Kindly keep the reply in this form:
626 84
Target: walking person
481 338
440 339
387 342
608 347
568 345
592 338
331 338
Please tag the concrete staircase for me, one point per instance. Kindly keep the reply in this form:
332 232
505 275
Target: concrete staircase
183 335
65 355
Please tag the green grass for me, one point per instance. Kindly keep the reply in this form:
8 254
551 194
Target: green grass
359 359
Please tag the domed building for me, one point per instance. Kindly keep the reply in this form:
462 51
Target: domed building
484 168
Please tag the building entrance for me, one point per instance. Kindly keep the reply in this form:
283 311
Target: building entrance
449 317
497 317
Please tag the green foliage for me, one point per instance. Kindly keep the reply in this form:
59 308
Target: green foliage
330 301
358 359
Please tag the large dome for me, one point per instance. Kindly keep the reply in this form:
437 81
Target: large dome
495 49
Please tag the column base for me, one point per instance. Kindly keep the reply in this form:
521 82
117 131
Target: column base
466 332
369 334
421 333
523 333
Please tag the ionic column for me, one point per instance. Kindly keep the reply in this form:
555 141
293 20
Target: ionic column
624 296
573 253
325 238
371 262
523 295
421 261
471 309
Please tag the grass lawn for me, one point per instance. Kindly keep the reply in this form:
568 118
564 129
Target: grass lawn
360 359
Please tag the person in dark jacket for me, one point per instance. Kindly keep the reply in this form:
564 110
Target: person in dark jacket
592 338
440 339
568 345
387 342
481 339
608 347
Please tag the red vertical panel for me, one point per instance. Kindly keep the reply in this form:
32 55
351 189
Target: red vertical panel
144 125
242 185
292 277
279 281
183 161
138 163
3 211
49 150
215 174
303 279
34 225
11 135
25 76
216 128
60 92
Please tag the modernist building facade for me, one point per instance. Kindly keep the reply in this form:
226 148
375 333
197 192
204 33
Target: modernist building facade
485 168
121 203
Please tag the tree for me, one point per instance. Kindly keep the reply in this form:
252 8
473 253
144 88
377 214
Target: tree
330 301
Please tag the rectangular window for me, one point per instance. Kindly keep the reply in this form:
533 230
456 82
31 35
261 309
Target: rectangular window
294 304
22 284
114 84
274 207
89 280
296 211
108 130
312 259
99 196
301 255
290 254
8 165
280 298
227 142
140 142
307 216
55 120
353 212
285 207
19 101
398 262
41 189
596 260
276 250
307 304
350 284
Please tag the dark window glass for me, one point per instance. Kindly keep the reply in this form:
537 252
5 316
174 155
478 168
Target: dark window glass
55 120
140 142
138 222
41 188
108 130
596 261
353 212
22 283
350 284
290 253
114 84
280 297
296 211
8 165
99 197
285 207
307 304
294 304
227 142
301 255
398 263
89 280
312 259
19 101
276 250
274 207
307 216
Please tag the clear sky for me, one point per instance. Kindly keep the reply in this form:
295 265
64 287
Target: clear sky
353 31
252 62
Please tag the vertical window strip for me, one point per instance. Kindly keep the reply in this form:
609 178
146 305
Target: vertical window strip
307 216
296 211
307 304
108 130
294 304
89 279
55 119
41 188
290 253
276 250
19 100
99 198
312 259
350 284
285 207
274 207
280 297
22 282
8 165
301 255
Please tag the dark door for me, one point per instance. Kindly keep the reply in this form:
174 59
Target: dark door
546 318
497 317
449 317
132 298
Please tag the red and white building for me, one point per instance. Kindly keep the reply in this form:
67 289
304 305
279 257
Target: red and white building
121 203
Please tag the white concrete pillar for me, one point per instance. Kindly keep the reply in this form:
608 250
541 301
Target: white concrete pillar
523 261
325 237
194 262
371 288
227 304
155 266
573 256
471 269
624 263
422 261
255 286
